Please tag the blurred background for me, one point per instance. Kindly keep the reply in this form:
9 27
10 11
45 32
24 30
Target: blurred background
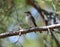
12 16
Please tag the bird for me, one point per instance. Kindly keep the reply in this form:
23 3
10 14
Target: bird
30 19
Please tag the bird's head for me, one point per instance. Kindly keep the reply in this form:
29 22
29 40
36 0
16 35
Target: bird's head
27 13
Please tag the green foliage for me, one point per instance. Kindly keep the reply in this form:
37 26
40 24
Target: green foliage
12 13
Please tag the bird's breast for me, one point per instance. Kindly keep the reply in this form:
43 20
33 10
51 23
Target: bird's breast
29 21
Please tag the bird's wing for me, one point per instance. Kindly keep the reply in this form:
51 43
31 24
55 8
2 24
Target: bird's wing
33 20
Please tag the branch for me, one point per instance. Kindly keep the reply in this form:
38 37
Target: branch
36 6
57 42
39 9
34 29
42 12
